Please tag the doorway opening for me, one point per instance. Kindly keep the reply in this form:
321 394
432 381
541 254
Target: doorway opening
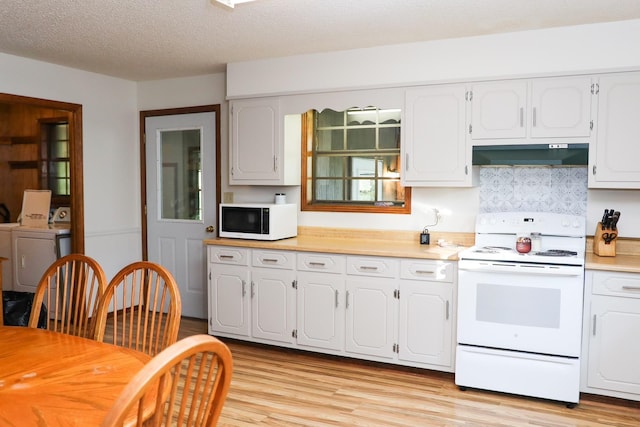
19 133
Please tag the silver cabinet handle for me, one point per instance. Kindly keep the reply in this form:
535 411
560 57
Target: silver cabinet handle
534 116
367 268
521 116
594 325
244 288
425 272
631 288
347 300
406 161
337 295
316 264
447 311
253 291
225 256
269 260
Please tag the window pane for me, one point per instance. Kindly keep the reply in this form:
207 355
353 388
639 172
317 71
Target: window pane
329 118
181 174
330 167
389 138
361 139
329 190
330 140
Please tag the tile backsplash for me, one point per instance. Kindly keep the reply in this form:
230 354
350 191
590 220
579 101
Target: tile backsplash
534 189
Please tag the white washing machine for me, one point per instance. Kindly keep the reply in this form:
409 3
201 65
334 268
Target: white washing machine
33 250
5 252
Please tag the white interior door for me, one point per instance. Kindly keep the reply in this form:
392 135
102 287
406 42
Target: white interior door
181 203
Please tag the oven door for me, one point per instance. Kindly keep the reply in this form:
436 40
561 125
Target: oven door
518 306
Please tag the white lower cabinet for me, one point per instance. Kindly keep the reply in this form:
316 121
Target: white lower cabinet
371 316
385 309
371 306
427 313
611 348
320 311
229 280
320 301
251 294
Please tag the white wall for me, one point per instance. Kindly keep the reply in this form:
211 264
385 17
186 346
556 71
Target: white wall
111 160
564 50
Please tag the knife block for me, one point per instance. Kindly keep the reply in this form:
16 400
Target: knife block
600 247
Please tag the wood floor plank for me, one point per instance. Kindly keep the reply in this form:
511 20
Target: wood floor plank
280 387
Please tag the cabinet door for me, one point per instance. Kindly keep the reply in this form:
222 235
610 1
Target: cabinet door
273 306
498 110
614 348
371 313
426 322
320 310
561 107
434 137
228 299
256 133
613 158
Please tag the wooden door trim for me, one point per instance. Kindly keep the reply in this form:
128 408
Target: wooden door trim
215 108
75 147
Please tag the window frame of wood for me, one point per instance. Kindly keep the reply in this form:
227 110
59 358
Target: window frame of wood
308 180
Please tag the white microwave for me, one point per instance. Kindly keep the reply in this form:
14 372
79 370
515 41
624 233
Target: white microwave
258 221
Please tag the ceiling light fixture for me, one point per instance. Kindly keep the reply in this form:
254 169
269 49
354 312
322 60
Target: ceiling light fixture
230 3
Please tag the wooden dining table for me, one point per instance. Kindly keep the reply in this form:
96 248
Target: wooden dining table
53 379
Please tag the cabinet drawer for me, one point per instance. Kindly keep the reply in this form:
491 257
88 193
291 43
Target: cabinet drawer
325 263
616 284
228 255
274 259
426 270
372 266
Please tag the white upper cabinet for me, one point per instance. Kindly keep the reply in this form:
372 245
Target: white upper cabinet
498 110
561 107
613 156
434 148
521 111
259 152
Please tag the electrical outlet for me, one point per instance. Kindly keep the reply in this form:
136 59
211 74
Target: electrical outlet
227 197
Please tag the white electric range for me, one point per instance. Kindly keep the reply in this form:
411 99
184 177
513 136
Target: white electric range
520 314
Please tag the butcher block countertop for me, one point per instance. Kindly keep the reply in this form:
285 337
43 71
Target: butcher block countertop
400 244
627 258
405 244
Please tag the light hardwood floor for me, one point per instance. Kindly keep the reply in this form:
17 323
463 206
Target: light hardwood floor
280 387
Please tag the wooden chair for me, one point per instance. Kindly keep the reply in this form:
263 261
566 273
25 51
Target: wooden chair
193 376
145 306
70 289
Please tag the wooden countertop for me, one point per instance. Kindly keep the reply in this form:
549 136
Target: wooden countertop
404 244
622 263
390 244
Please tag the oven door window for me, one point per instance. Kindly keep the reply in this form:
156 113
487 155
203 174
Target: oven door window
518 305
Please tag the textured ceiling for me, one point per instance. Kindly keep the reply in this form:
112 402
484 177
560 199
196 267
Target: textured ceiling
156 39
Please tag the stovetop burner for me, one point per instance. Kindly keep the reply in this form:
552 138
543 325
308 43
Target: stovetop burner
556 252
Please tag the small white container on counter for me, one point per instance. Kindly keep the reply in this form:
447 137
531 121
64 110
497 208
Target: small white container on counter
281 199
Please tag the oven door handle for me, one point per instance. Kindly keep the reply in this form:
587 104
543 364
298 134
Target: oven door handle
510 268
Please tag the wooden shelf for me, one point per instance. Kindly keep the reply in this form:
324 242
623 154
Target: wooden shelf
23 164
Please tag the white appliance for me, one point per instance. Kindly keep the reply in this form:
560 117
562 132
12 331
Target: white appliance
34 249
5 252
520 314
258 221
